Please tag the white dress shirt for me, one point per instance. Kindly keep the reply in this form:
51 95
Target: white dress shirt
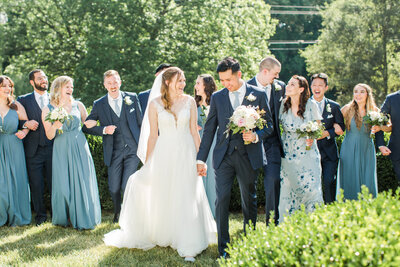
267 89
45 96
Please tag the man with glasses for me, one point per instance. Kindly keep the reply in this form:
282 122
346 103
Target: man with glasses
38 149
332 118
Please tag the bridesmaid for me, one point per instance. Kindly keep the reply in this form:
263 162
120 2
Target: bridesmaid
204 88
15 207
75 196
357 160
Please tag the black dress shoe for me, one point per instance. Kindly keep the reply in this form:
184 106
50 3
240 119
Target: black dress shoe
116 217
40 220
225 255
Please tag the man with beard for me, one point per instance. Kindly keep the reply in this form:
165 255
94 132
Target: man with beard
38 149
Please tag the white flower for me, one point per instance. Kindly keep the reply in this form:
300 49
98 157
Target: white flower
278 87
206 111
374 115
328 108
251 97
128 100
54 115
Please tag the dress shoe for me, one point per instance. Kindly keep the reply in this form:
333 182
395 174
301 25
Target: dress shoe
40 220
225 255
116 217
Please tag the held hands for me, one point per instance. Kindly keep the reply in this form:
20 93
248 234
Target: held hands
32 125
201 169
385 150
249 136
90 123
110 129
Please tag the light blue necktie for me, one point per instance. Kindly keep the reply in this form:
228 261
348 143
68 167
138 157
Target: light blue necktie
41 100
116 107
236 102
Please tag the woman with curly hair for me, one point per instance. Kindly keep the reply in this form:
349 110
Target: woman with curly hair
301 168
357 159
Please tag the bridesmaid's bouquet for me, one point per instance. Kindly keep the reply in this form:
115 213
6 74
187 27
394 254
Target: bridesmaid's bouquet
204 113
310 130
376 118
58 114
246 118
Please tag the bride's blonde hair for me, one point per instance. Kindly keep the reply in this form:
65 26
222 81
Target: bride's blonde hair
168 75
55 89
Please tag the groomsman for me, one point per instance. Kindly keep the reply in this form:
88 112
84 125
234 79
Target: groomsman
391 106
265 79
231 156
120 119
38 149
332 118
144 96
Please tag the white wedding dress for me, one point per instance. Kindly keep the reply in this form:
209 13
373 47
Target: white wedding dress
165 203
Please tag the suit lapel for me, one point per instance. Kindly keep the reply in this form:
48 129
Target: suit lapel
107 109
245 102
325 112
227 102
35 105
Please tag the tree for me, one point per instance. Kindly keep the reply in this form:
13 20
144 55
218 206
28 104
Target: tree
358 43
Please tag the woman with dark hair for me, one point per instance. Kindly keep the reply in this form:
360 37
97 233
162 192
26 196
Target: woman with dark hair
205 86
165 203
301 168
357 159
15 208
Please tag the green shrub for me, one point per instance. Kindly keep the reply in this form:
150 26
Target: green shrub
351 233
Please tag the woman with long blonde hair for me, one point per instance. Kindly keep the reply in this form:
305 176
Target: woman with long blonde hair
74 196
357 160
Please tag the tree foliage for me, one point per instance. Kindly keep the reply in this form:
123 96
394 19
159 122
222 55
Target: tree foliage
84 38
359 42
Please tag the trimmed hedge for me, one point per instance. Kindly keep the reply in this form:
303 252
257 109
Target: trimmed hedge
362 232
386 176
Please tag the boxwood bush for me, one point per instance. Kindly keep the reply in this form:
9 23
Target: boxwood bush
362 232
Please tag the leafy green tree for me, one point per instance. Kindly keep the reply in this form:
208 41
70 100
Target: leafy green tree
358 43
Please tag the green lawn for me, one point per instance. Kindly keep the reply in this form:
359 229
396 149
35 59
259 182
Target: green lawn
49 245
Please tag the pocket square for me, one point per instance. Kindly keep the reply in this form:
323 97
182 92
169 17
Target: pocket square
280 99
131 110
330 116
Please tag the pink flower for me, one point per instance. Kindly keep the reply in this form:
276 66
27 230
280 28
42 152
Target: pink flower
241 122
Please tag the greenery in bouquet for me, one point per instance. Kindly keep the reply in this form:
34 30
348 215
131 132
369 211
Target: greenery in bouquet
310 130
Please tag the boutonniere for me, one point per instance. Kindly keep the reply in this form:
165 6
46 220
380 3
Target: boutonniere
278 87
128 100
328 108
251 97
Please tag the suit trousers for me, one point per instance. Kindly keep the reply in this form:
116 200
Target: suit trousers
396 167
272 181
329 170
124 163
39 171
237 164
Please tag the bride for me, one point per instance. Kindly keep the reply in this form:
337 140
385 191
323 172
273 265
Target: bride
165 203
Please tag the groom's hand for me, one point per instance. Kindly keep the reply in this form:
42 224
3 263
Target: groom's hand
110 129
201 169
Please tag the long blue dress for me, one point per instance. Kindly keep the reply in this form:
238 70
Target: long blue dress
209 180
15 207
301 168
75 196
357 163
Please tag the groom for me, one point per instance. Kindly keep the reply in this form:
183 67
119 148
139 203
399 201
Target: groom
231 156
120 119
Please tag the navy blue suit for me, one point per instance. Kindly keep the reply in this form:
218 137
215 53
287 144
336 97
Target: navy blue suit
391 106
38 154
274 152
143 99
328 148
231 157
119 149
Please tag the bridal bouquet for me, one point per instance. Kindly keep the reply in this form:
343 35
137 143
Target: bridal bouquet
58 114
246 118
310 130
376 118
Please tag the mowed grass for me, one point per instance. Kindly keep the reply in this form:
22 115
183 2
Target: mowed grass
49 245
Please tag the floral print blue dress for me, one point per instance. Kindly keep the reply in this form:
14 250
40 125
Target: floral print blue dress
301 168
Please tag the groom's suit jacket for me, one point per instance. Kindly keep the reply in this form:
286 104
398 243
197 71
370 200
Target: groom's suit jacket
330 115
38 137
391 106
218 118
101 112
274 103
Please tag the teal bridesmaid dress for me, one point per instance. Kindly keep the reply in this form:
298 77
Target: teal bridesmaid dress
75 196
15 207
209 180
357 163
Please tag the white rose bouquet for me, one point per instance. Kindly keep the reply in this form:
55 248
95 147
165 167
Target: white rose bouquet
310 130
376 118
246 118
58 114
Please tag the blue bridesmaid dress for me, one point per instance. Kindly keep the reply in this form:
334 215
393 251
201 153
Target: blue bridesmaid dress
15 207
75 196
